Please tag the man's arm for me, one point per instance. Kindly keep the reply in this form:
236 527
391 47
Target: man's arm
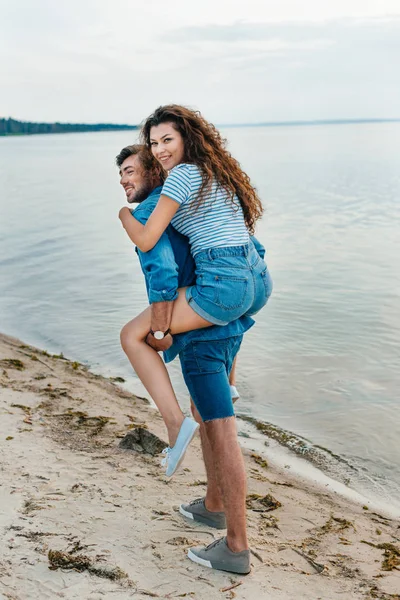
161 274
161 315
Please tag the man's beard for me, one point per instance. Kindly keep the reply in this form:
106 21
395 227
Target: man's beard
141 193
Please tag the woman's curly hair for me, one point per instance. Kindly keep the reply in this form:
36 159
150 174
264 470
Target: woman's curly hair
206 148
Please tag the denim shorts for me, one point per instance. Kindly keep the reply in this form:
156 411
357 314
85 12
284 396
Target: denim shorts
206 366
230 282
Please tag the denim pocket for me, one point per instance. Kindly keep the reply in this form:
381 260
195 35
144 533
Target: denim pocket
230 291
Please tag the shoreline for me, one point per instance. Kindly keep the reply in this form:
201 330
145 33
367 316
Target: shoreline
308 462
67 486
313 463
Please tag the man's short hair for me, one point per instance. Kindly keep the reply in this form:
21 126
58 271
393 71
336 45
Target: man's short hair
150 165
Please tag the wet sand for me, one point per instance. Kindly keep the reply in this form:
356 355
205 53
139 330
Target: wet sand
81 517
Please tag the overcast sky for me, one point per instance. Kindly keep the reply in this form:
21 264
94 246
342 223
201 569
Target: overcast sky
238 62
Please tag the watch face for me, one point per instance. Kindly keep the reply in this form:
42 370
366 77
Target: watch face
159 335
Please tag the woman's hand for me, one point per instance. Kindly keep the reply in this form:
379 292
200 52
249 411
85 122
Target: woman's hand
146 236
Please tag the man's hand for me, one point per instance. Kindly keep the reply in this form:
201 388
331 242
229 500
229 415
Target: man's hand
159 345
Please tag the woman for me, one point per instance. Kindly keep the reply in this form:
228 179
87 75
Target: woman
208 198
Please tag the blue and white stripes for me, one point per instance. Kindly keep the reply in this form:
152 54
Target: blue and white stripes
216 223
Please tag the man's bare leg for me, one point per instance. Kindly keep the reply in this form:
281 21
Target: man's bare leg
230 475
213 501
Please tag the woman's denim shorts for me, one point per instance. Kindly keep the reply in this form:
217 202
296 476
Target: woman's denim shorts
230 282
206 366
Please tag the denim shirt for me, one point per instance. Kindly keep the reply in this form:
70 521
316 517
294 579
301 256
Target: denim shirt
169 266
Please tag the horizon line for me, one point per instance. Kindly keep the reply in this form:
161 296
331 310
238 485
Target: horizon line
312 122
101 127
242 124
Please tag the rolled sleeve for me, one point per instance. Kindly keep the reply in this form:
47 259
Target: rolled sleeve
162 295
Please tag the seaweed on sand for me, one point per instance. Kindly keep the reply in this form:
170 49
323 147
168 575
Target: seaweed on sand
12 363
82 562
375 592
82 419
30 506
55 393
391 555
34 536
336 524
301 446
259 460
259 503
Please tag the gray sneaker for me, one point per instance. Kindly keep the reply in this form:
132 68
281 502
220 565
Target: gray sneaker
218 556
197 511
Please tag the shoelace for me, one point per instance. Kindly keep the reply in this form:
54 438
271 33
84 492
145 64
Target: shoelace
197 501
214 543
166 451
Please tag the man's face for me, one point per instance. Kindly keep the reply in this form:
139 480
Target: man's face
134 179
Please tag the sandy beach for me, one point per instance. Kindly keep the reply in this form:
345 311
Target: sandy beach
83 518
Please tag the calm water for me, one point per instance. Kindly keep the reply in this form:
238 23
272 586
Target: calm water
324 358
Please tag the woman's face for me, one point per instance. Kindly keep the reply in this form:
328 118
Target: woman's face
167 145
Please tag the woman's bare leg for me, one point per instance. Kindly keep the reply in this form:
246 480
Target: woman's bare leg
152 373
149 366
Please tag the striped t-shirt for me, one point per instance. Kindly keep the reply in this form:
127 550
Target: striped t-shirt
217 222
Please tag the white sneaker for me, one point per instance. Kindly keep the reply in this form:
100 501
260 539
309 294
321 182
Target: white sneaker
174 456
234 393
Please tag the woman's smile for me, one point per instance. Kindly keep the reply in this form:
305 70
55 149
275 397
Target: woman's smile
167 145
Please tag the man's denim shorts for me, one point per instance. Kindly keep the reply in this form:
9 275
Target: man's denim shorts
206 366
230 282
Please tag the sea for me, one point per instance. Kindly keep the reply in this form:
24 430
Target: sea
322 361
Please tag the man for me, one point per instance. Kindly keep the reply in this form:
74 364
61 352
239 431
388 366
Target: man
206 357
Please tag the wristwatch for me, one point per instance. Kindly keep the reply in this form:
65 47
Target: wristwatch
160 335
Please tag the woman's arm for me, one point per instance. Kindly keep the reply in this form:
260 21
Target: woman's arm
146 236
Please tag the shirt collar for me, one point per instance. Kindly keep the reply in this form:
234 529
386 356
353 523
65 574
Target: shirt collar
155 192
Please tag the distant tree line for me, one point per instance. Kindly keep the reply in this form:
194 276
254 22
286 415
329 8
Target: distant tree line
13 127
